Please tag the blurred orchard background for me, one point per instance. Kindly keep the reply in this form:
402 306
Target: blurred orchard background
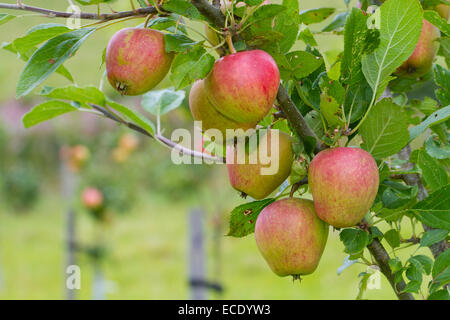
139 248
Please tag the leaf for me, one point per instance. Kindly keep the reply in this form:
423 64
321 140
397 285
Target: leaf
393 238
338 22
330 109
435 118
267 11
412 286
89 94
178 43
441 263
442 79
434 18
37 35
347 263
434 210
433 236
133 116
300 64
45 111
355 240
188 67
307 37
432 172
182 7
243 217
440 295
395 264
4 18
400 28
286 24
49 57
385 131
435 150
315 15
162 101
422 263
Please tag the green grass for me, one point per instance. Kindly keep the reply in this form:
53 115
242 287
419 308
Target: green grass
147 258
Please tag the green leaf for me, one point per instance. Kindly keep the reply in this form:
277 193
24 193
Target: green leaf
442 79
267 11
440 295
300 64
434 210
395 264
400 28
178 43
49 57
315 15
355 240
253 3
435 150
434 18
188 67
37 35
133 116
385 130
393 238
243 217
45 111
307 37
422 263
91 2
286 24
162 101
432 172
441 263
338 22
433 236
435 118
89 94
182 7
412 286
4 18
330 109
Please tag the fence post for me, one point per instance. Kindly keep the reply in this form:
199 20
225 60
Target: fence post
68 184
197 277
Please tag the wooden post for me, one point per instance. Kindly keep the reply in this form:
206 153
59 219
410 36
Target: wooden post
68 183
197 277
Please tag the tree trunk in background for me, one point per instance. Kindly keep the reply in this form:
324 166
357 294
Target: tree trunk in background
197 270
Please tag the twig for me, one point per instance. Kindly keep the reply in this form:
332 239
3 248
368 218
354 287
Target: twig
167 142
81 15
382 258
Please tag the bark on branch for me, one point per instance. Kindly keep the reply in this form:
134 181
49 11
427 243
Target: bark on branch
82 15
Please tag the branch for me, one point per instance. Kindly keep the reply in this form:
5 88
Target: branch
382 258
412 180
169 143
81 15
286 104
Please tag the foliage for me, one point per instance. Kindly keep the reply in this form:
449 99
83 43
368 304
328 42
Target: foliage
339 98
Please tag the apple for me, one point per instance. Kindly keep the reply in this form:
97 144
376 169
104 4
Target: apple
136 60
92 198
291 237
343 182
248 177
243 86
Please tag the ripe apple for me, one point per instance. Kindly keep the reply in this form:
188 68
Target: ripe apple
248 178
128 142
243 86
203 110
421 60
92 198
291 237
343 183
136 60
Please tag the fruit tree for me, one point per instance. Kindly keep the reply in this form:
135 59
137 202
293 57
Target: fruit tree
313 140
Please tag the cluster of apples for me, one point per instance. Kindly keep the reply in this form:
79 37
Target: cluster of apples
237 94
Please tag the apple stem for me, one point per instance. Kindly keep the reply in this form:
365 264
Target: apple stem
230 43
